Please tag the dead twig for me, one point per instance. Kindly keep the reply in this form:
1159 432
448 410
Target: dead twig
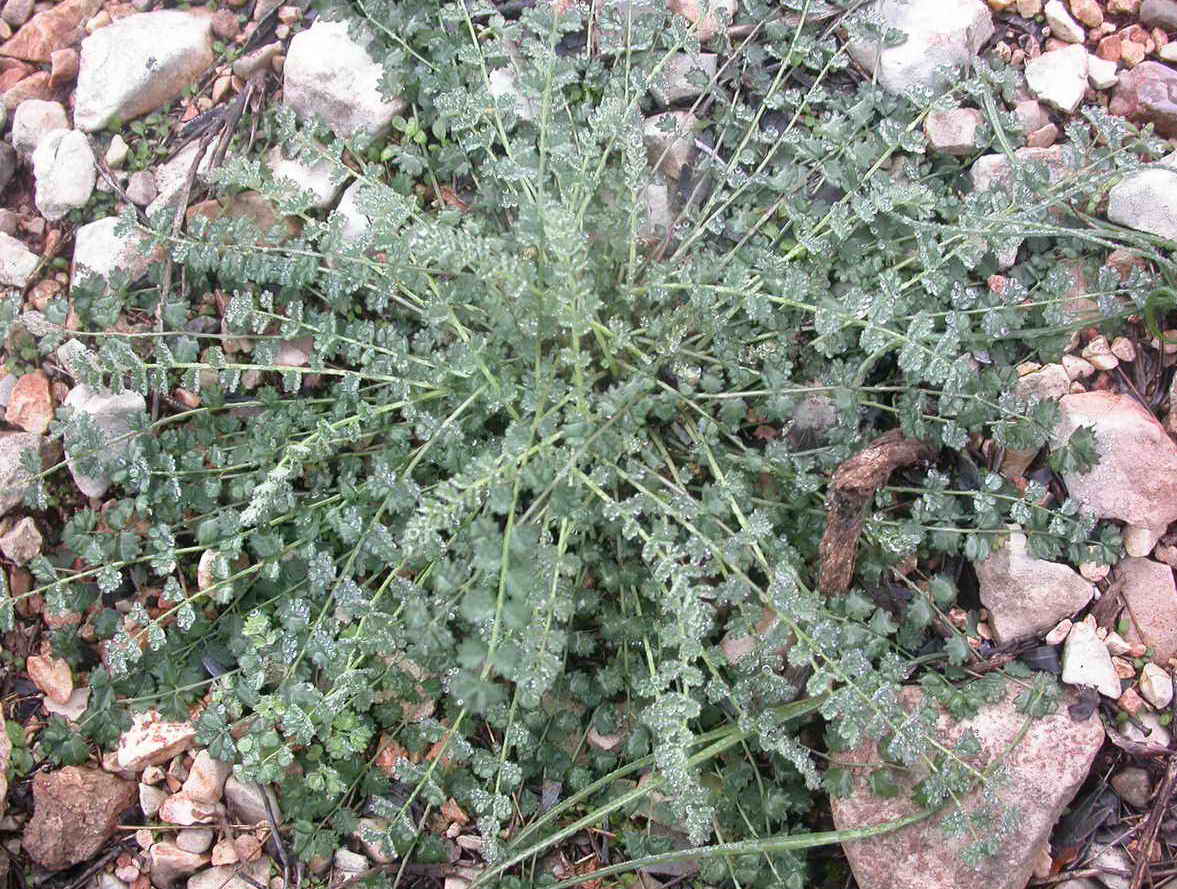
853 485
1160 806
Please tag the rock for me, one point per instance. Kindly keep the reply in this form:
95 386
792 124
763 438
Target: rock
1140 541
30 406
1026 595
370 834
1133 786
993 170
670 141
227 877
1159 14
183 809
141 189
225 25
1151 599
329 74
1045 770
171 176
113 415
659 215
1061 24
953 132
1111 859
349 862
75 812
323 179
33 120
17 12
1127 438
939 33
253 206
35 86
247 847
1086 661
150 799
1087 12
503 84
256 60
99 251
51 675
224 852
1153 733
245 802
64 64
139 64
54 29
169 863
356 223
1059 78
707 25
206 778
72 709
63 166
1101 73
1030 115
1146 201
195 839
676 81
151 741
1147 93
14 479
116 152
1156 686
17 262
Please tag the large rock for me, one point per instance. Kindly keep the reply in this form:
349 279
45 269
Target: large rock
1150 600
1045 769
138 64
1147 93
1026 595
14 479
1135 480
75 811
65 171
51 30
99 251
329 74
1146 201
939 33
246 801
112 414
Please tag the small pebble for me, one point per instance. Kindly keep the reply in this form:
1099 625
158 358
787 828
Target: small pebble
1133 786
1123 349
1156 686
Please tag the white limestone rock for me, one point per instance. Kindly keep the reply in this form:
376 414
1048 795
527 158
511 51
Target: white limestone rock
138 64
65 172
939 33
329 74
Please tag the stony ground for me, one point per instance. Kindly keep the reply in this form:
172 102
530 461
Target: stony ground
157 811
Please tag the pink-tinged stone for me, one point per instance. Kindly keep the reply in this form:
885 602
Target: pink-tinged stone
1147 93
1135 480
51 30
1045 770
52 676
30 406
183 809
75 810
206 779
1150 601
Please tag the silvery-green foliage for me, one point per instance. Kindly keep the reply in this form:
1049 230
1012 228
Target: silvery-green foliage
541 474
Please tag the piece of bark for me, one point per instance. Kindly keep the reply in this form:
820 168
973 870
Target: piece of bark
854 485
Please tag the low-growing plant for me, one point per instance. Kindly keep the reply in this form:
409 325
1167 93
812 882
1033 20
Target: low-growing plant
494 541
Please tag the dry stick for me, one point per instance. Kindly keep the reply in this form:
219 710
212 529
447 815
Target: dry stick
1159 806
177 221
